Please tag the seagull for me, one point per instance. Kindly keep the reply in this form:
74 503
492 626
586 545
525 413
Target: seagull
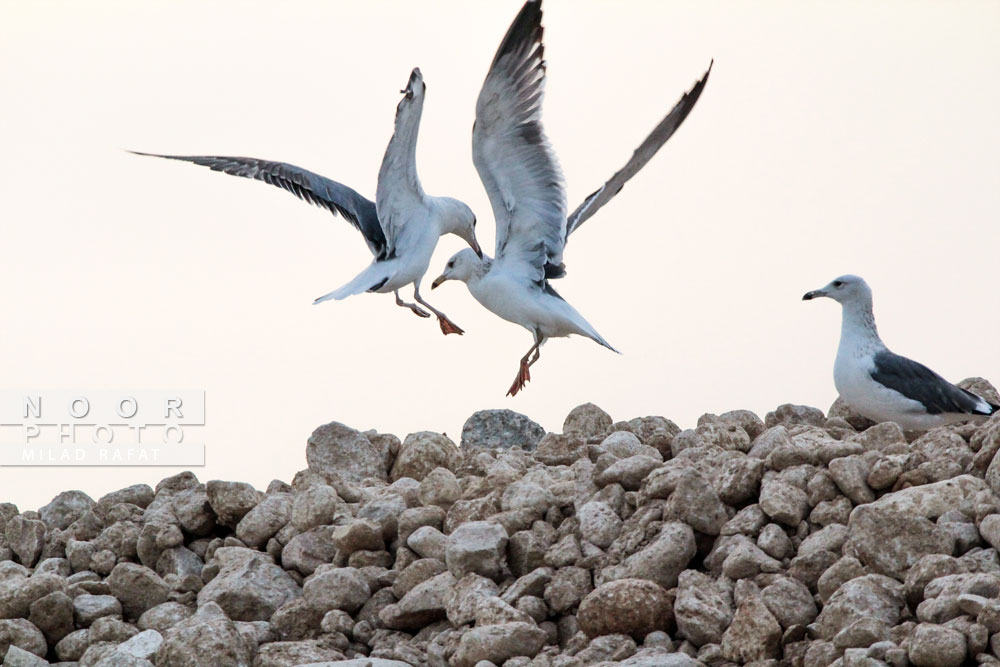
401 227
882 385
526 190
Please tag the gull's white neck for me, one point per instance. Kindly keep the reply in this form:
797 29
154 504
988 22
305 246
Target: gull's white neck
858 334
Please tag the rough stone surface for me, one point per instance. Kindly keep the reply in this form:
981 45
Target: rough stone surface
797 539
501 429
249 585
422 452
633 607
336 451
477 547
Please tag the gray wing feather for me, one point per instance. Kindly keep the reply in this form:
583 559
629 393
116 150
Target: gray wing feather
659 136
399 196
306 185
919 383
513 156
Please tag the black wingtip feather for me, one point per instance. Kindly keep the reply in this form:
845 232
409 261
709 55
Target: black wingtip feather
526 29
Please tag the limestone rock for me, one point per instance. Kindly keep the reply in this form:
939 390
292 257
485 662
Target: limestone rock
504 429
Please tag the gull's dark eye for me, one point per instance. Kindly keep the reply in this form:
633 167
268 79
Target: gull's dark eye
838 283
451 264
473 222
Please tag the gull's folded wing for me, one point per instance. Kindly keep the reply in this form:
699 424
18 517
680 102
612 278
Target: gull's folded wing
919 383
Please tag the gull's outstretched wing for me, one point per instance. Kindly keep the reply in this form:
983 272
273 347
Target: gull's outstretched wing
313 188
640 157
919 383
399 196
513 157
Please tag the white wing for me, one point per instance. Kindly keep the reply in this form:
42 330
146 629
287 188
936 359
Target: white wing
399 195
513 157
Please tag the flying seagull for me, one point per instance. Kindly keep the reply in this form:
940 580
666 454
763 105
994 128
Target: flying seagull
401 227
882 385
526 189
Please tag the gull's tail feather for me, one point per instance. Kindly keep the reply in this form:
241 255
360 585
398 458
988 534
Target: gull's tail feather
370 280
591 333
600 341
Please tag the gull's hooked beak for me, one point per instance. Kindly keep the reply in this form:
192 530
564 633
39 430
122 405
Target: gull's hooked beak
474 244
437 281
815 294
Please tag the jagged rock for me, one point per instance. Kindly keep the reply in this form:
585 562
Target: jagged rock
422 452
439 487
164 616
66 508
869 596
249 585
53 615
26 538
476 546
569 585
138 588
754 634
703 609
663 560
633 607
22 634
307 551
498 643
937 646
232 500
424 604
504 429
599 524
890 541
336 451
341 588
266 518
206 639
89 608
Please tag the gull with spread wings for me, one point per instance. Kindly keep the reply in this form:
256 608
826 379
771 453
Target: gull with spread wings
401 227
525 185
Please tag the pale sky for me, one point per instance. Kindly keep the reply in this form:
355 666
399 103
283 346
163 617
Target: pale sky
832 138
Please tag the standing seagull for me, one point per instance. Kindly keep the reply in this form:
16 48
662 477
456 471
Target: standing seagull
402 225
882 385
525 185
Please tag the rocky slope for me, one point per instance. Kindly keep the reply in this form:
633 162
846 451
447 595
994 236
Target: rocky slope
800 539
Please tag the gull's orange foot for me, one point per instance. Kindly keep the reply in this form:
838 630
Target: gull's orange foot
523 375
449 327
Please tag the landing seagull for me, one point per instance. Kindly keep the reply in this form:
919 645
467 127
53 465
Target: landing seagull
882 385
525 185
401 227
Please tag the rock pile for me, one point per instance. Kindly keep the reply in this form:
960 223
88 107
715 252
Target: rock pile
800 539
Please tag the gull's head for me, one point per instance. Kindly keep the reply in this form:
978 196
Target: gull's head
462 266
458 219
845 289
415 85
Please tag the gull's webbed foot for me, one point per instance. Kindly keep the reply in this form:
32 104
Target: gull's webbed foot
449 327
523 375
418 311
